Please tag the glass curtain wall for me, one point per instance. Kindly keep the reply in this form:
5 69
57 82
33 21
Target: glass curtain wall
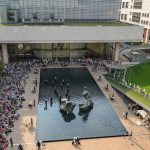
66 9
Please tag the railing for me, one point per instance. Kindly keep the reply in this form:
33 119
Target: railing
126 87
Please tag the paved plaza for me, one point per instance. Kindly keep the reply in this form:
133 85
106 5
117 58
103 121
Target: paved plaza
24 133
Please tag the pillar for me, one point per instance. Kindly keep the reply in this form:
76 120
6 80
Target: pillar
145 35
5 54
117 48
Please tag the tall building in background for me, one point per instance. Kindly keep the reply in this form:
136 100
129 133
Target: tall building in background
137 12
48 10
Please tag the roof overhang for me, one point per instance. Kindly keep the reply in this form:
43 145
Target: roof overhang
70 34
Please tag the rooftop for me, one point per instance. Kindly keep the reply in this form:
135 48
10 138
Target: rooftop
73 23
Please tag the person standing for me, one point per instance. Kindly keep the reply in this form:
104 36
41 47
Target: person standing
74 140
11 142
63 82
126 115
61 85
60 99
51 101
130 134
31 121
38 145
55 78
36 82
67 85
34 102
78 140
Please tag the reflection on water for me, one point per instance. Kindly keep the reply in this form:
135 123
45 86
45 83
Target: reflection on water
84 115
68 117
100 121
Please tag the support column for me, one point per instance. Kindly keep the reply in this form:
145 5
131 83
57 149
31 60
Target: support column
117 47
5 53
145 35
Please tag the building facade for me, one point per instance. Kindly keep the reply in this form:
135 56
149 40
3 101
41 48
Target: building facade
137 12
63 41
14 11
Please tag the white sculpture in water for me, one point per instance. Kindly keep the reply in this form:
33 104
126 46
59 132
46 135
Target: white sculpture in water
89 104
67 106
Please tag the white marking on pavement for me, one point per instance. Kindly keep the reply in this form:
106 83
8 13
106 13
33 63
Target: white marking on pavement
24 109
24 144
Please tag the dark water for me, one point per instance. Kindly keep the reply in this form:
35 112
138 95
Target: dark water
52 125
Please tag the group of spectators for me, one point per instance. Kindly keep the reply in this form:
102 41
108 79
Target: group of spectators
12 86
95 63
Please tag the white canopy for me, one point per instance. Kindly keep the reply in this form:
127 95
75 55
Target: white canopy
142 113
135 53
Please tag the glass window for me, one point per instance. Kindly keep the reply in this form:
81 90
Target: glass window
125 17
147 15
65 9
123 4
122 16
137 4
127 4
136 17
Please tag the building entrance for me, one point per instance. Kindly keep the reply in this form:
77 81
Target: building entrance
57 50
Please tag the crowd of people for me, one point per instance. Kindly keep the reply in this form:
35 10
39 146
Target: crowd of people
95 63
12 83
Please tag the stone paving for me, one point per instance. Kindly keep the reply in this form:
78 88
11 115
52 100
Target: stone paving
23 133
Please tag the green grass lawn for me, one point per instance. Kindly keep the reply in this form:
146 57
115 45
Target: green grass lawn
140 75
138 98
102 23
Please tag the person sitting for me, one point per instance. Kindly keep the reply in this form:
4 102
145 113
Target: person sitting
99 78
112 97
20 147
36 71
106 87
33 90
22 98
146 122
74 140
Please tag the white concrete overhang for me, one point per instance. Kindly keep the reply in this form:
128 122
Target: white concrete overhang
70 34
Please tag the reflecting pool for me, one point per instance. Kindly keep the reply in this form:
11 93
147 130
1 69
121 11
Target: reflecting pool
53 125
